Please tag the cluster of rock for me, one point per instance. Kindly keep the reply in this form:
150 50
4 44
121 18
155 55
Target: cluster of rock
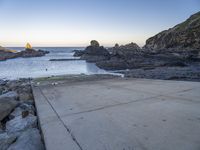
18 120
9 54
179 46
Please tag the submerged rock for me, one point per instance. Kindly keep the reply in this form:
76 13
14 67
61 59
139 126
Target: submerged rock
6 140
28 140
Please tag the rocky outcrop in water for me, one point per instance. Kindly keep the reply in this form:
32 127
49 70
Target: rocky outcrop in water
95 53
185 35
9 54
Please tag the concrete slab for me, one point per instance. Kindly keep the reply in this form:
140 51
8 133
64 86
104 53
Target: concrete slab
120 114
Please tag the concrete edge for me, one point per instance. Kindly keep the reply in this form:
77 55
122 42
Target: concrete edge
54 133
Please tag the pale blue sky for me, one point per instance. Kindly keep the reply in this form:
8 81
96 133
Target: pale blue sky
76 22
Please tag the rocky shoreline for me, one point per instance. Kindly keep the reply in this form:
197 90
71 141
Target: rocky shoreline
171 54
18 120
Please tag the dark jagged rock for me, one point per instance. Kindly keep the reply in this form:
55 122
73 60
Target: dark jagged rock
95 53
183 36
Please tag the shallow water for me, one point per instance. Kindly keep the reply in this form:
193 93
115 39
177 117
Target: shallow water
42 67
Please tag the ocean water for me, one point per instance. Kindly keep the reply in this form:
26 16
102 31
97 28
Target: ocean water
42 67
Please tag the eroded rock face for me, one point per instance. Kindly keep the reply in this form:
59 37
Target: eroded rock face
183 36
28 140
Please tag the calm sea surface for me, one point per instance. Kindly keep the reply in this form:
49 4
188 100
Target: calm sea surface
42 67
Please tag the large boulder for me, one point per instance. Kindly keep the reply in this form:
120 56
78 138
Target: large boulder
185 35
28 140
19 123
95 53
22 109
23 89
12 95
6 140
94 43
7 104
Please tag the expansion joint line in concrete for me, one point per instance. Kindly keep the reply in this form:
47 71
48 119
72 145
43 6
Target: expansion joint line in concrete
67 128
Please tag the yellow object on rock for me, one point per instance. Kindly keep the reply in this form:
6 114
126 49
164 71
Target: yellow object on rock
28 46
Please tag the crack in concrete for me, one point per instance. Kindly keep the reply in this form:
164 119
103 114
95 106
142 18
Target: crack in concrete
144 99
110 106
67 128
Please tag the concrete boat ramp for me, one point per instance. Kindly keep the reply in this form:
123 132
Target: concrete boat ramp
118 114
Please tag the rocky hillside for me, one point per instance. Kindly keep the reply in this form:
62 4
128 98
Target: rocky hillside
185 35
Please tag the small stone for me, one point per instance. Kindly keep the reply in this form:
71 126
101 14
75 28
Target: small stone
28 106
25 114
